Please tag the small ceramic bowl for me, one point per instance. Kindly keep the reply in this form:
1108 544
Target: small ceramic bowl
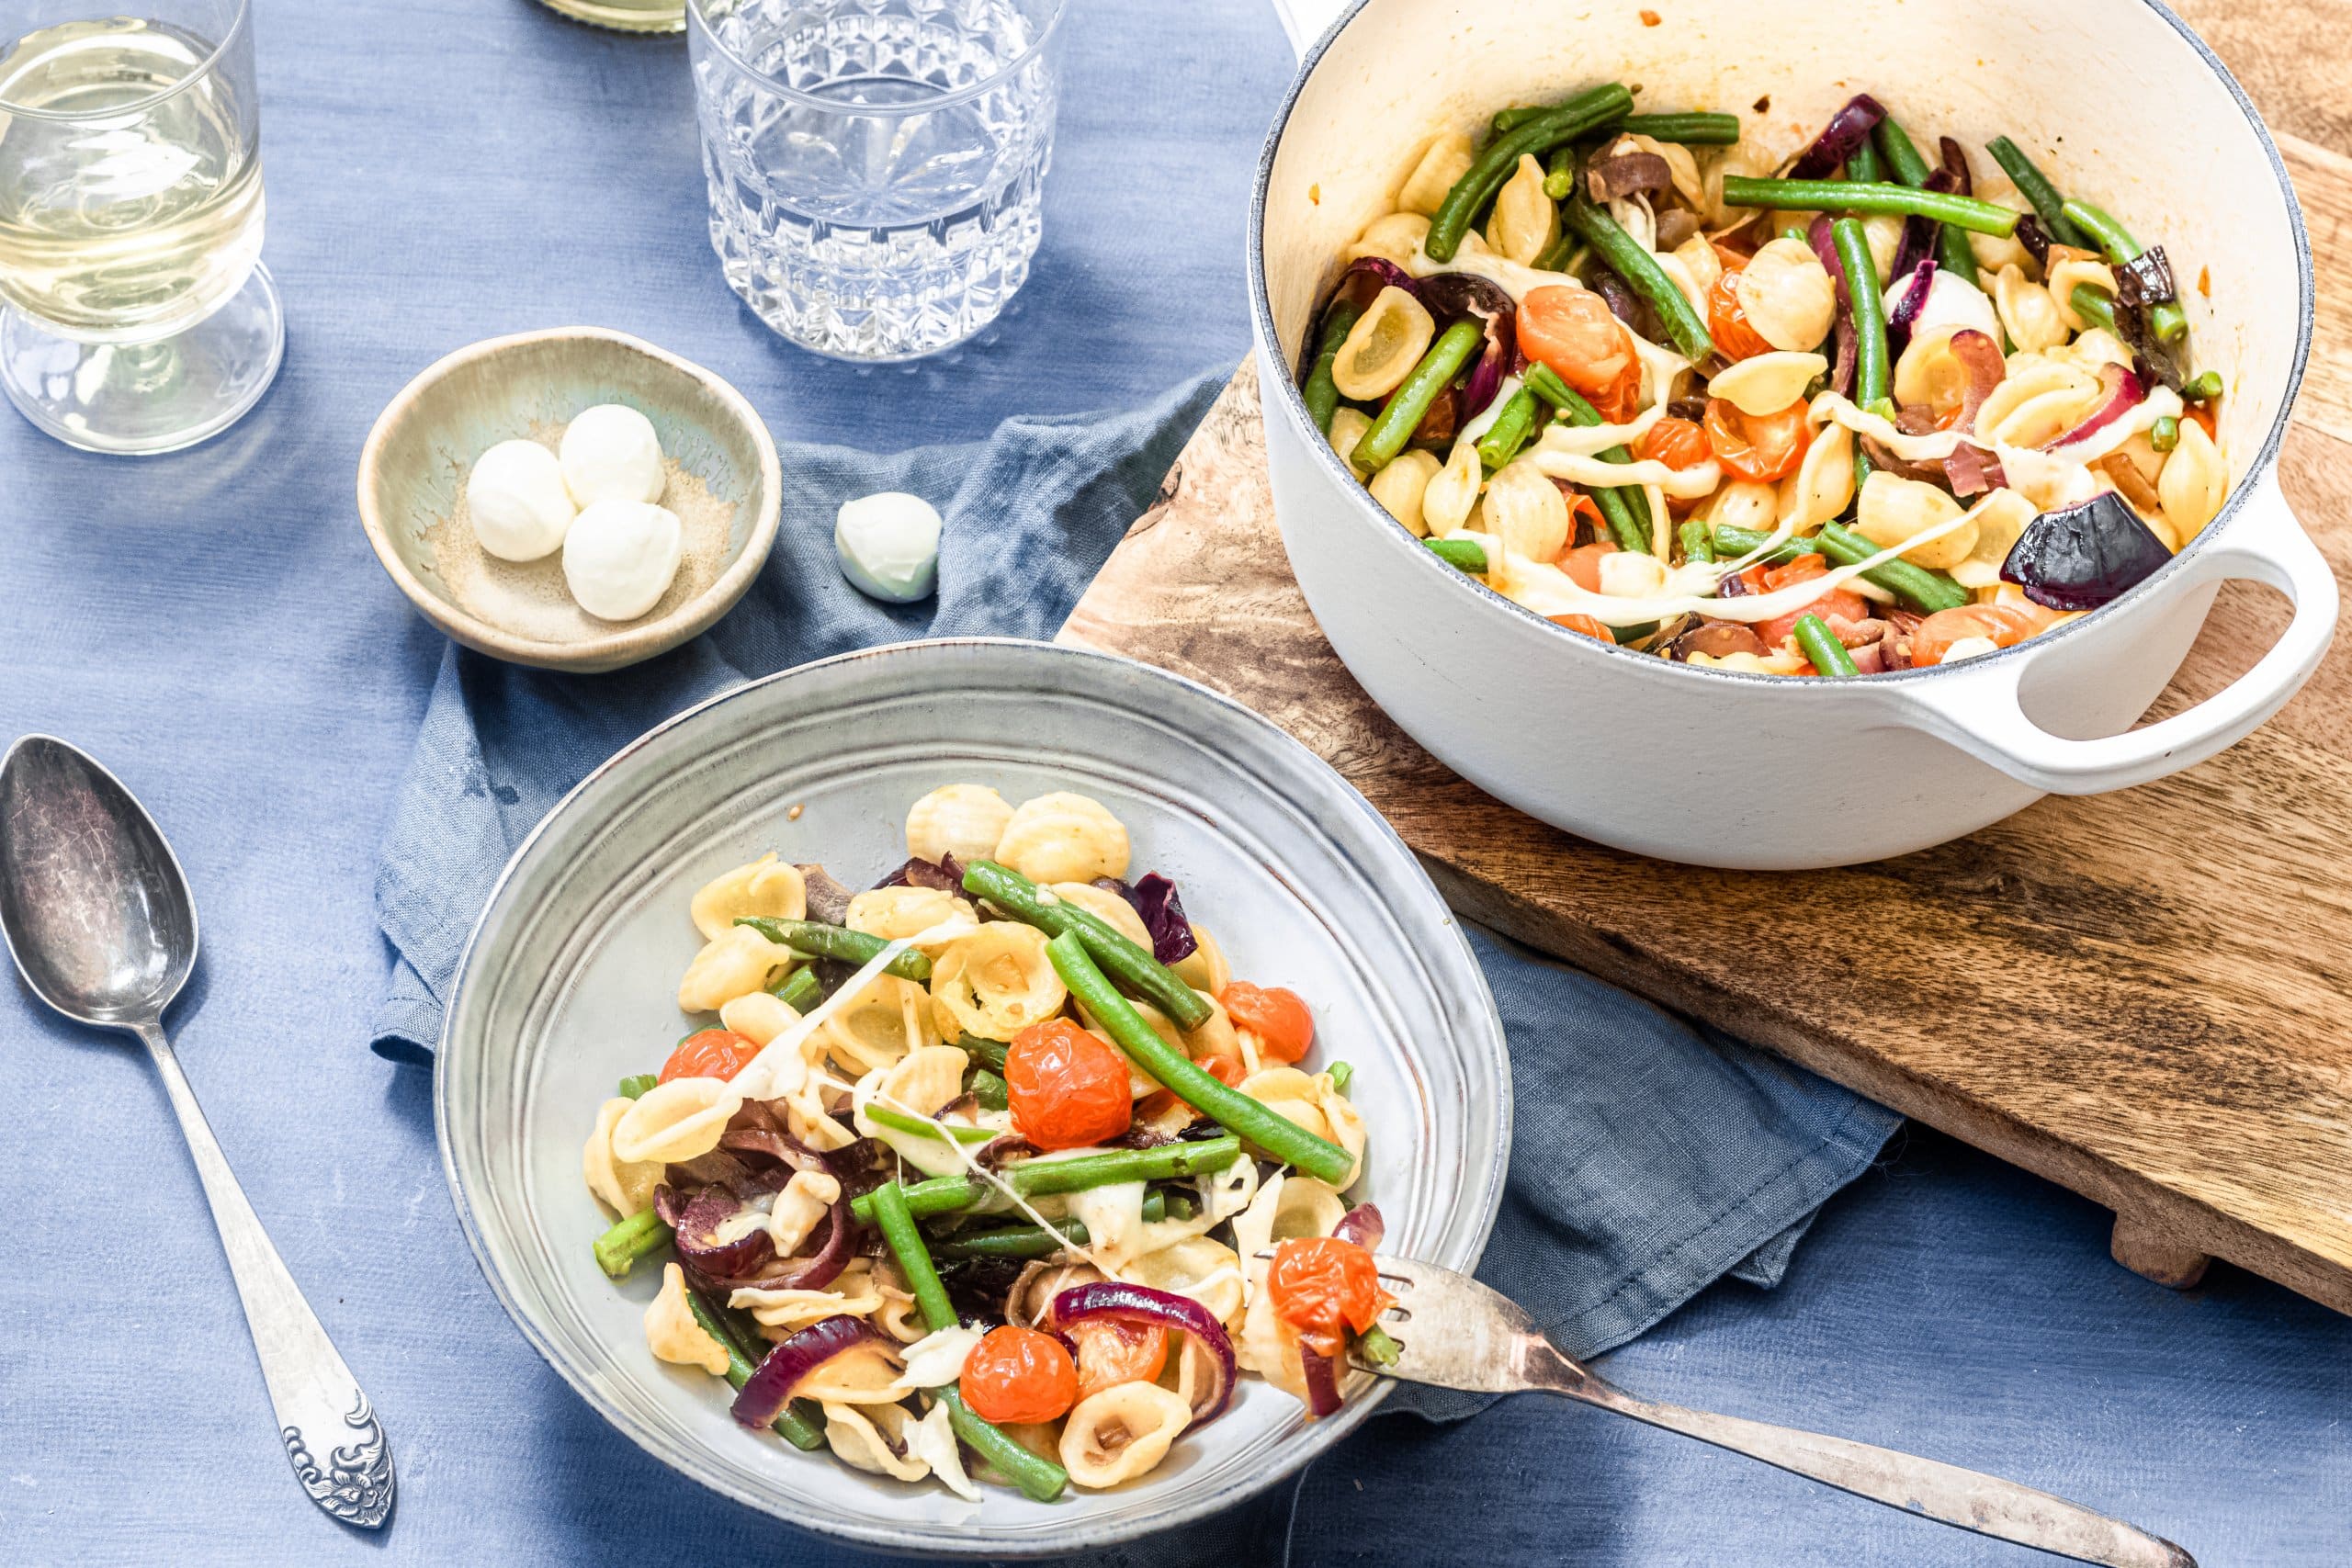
723 482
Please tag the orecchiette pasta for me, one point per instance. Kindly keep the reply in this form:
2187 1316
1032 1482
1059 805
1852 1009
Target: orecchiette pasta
1525 222
2194 482
1205 1270
1767 383
892 1018
786 1312
2028 312
873 1438
1122 1432
998 981
1453 492
1064 838
2067 267
1994 252
1105 905
1205 969
894 912
1348 426
1745 504
1383 345
1446 159
1526 511
1893 510
736 960
1395 238
626 1187
671 1332
757 1017
1823 484
767 886
1402 487
963 819
681 1120
1788 299
864 1374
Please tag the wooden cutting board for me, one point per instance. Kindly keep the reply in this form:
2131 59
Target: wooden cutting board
2146 997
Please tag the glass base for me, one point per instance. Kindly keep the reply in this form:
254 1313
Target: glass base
145 397
624 16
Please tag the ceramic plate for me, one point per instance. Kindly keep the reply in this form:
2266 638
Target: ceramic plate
569 983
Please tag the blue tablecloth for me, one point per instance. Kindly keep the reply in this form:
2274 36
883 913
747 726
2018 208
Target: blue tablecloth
213 627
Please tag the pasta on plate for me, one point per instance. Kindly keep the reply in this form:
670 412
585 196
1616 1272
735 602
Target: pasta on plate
1001 1160
1859 406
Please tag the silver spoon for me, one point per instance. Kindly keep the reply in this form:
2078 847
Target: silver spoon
1452 1332
98 915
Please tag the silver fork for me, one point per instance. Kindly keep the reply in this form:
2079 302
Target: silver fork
1455 1333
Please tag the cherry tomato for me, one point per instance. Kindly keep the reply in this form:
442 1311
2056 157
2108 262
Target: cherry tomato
1067 1088
710 1054
1111 1352
1321 1285
1583 564
1727 318
1762 449
1018 1375
1621 398
1837 604
2004 624
1584 624
1571 331
2203 414
1278 1017
1582 509
1677 443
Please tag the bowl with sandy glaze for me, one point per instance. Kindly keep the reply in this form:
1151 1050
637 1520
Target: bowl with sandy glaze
723 482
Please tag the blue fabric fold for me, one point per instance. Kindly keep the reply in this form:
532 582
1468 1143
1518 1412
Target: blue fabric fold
1650 1157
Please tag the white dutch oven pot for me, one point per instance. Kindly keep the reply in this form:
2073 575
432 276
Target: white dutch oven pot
2119 103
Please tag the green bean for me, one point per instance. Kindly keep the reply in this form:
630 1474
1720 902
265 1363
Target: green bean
1321 392
1863 293
1177 1206
1278 1135
1615 501
1910 166
2165 435
2094 304
1821 645
798 990
2201 387
1560 171
639 1235
1554 256
988 1054
1035 1241
1697 545
1620 636
1691 130
632 1088
899 1121
1462 555
1546 383
1376 1345
1511 427
1510 119
791 1426
1043 1177
1865 165
989 1091
1586 112
1870 196
813 939
1641 272
1342 1075
2038 191
1039 1478
2166 320
1131 964
1401 414
1922 589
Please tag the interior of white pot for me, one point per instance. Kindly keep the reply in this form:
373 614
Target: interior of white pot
2112 99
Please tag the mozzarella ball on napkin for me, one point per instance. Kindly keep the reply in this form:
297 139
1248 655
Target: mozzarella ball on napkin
621 556
888 545
610 452
516 498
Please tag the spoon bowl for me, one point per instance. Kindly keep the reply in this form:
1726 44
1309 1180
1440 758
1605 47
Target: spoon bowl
93 904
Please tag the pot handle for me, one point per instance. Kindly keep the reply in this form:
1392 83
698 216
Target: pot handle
1305 20
1979 711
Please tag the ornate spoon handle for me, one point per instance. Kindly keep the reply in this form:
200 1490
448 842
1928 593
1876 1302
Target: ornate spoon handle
331 1433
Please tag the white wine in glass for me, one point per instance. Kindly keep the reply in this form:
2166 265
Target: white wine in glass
134 313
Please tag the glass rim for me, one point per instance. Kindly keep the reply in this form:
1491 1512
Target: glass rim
204 68
970 90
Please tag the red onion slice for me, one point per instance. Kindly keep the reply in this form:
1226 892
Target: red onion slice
1140 1303
1907 307
2082 557
1322 1380
2125 391
1362 1225
769 1388
1450 296
1981 357
1163 916
697 1222
1824 249
1840 139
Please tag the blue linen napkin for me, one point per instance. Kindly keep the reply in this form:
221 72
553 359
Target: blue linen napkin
1649 1158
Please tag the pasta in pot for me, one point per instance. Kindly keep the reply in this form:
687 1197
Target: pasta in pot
1446 159
1121 1433
1105 905
1402 487
873 1438
784 1312
2194 482
1206 969
1348 426
757 1016
626 1187
681 1120
997 982
1205 1270
892 1018
963 819
864 1374
1064 838
671 1332
1525 220
1383 345
1395 238
894 912
767 886
736 962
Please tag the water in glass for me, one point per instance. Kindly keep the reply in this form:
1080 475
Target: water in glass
875 166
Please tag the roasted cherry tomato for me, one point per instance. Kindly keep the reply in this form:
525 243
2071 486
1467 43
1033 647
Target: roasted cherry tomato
1677 443
1227 1070
1584 624
1067 1088
1837 604
1571 331
1278 1017
1583 563
711 1054
2004 625
1763 448
1018 1375
1323 1286
1727 318
1621 398
1111 1352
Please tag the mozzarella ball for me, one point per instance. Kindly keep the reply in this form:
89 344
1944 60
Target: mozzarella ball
517 501
888 545
610 452
620 556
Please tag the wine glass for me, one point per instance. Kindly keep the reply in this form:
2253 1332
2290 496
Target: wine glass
135 315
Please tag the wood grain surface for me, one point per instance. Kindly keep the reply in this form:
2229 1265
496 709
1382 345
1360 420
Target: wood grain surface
2146 995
